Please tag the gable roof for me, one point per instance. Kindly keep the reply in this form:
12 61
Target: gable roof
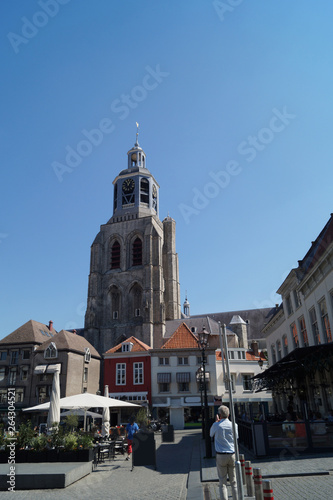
182 338
138 346
67 341
32 332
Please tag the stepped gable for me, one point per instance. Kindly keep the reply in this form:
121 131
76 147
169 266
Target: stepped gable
182 338
138 346
32 332
68 341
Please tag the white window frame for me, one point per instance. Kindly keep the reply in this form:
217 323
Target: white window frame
85 374
164 361
87 355
121 374
138 373
183 360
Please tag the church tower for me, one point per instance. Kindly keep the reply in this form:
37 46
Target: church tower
134 279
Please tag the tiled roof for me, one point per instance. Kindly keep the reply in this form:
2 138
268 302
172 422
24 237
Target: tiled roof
32 332
70 341
182 338
138 346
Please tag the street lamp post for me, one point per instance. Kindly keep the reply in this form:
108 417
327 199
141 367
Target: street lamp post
199 375
203 344
239 478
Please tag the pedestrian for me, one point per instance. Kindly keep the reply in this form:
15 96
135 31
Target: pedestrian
221 431
131 428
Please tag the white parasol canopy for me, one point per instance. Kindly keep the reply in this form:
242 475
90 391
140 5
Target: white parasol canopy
80 413
106 415
85 401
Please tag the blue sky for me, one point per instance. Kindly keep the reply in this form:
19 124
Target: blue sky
235 109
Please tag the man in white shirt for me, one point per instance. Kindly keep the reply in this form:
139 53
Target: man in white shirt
221 430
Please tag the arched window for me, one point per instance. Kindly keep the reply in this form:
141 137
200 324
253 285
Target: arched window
51 351
115 255
144 191
137 252
136 300
115 196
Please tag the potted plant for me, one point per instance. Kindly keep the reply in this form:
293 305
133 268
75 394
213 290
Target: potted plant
69 452
85 445
38 452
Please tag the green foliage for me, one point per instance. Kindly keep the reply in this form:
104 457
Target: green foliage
56 437
39 443
70 442
142 418
25 435
71 422
85 441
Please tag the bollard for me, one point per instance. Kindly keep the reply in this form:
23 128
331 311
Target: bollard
242 461
257 479
268 490
249 479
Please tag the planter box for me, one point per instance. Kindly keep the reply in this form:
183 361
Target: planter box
85 455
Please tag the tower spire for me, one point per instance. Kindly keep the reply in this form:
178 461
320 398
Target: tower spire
137 134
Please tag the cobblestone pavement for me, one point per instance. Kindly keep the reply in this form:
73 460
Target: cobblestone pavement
115 479
291 488
293 478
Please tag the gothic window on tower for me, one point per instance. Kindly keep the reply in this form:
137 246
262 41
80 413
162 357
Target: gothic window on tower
144 191
137 252
128 196
136 300
115 255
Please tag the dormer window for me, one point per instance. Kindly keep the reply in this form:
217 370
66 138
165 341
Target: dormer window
51 351
126 346
87 355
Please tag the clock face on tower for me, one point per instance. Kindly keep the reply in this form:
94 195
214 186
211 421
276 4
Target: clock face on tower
128 186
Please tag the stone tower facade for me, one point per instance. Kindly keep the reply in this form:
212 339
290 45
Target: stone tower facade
134 278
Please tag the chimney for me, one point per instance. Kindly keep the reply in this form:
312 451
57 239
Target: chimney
50 326
254 347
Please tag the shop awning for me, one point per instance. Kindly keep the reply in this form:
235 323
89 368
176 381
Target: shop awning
183 377
163 378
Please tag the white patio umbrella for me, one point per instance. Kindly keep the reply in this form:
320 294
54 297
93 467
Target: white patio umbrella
80 413
54 410
106 415
85 401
